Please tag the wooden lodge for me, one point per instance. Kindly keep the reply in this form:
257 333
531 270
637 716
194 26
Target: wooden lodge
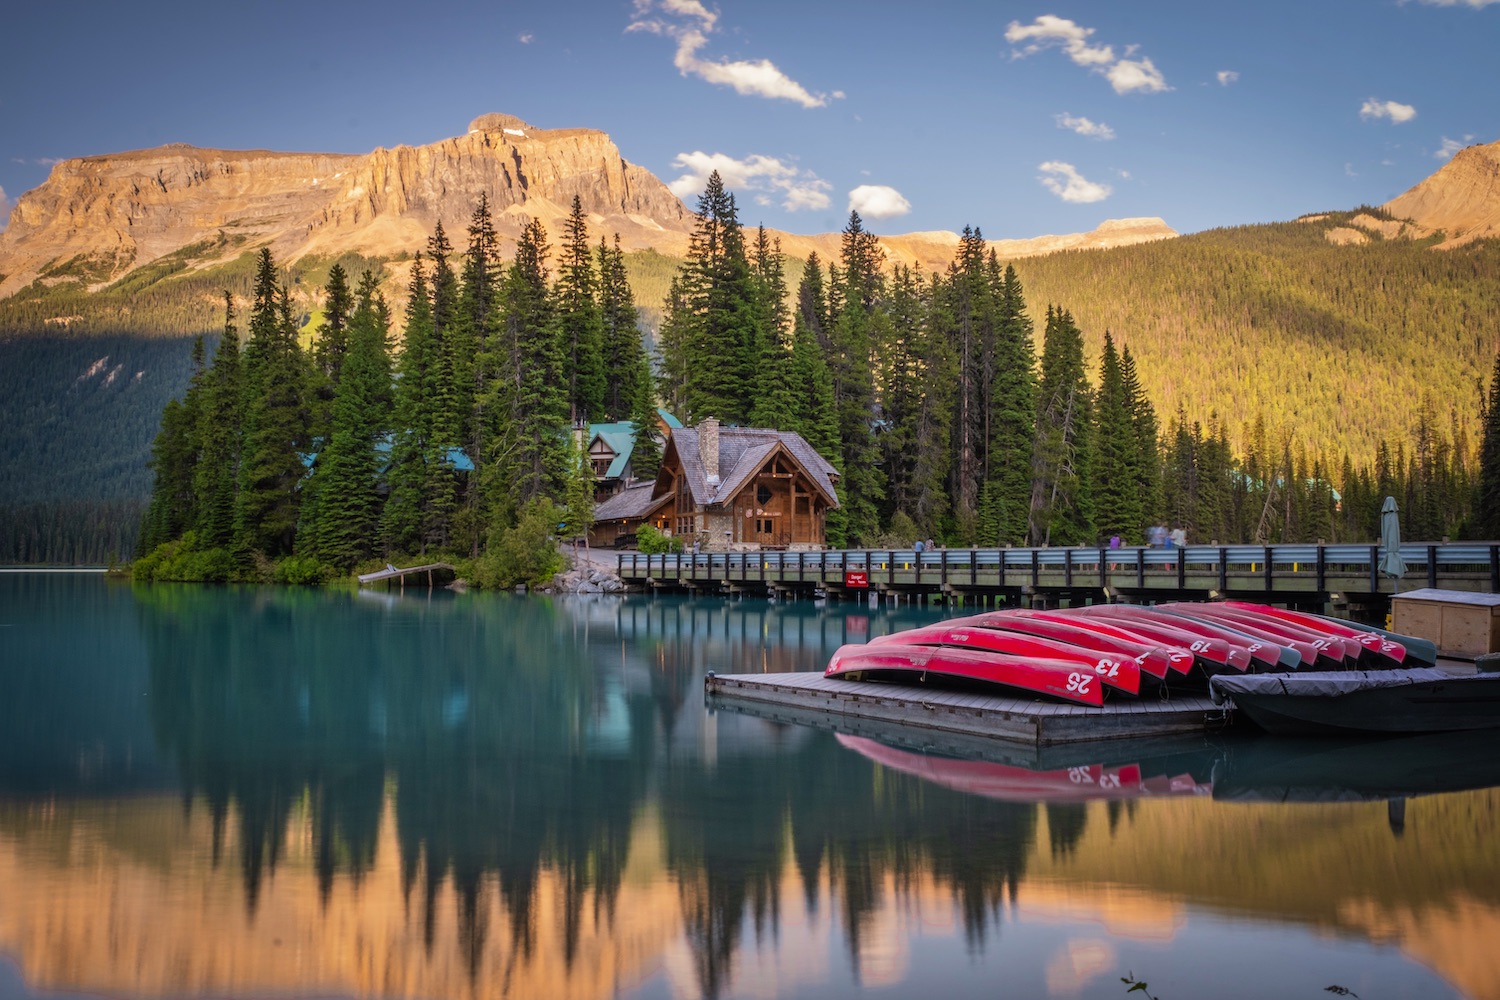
728 489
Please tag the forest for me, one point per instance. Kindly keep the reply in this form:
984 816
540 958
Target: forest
949 413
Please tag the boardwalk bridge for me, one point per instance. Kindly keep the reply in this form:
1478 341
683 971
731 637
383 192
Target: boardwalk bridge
1308 576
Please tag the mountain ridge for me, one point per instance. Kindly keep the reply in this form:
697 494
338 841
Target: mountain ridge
99 218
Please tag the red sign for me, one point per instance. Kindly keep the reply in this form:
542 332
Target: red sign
856 579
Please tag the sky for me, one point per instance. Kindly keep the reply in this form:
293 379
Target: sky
1019 118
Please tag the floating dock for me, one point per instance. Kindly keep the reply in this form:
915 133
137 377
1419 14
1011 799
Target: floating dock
1023 721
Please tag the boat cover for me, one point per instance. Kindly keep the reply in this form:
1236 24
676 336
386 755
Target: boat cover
1324 684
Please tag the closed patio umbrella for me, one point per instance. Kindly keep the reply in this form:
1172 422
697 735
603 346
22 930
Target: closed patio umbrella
1391 563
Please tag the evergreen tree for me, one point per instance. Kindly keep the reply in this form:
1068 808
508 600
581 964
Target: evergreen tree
330 347
1062 510
1147 449
531 460
970 312
1117 495
220 435
629 387
1487 502
860 330
916 368
277 421
474 338
347 481
580 324
1011 418
174 460
712 343
774 397
416 451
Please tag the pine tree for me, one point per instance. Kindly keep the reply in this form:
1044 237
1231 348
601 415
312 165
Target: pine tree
530 460
412 442
916 369
1117 494
220 435
970 311
629 387
347 481
1487 502
277 421
710 340
1012 412
580 325
859 331
174 460
1062 511
1147 449
473 340
774 400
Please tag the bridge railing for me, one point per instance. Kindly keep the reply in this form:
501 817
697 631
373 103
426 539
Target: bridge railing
1302 567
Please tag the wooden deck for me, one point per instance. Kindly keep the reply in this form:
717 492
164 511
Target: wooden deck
1026 721
396 573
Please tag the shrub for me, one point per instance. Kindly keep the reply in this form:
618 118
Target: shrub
301 570
526 552
651 542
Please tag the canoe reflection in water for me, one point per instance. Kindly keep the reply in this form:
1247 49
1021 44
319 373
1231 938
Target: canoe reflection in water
1256 769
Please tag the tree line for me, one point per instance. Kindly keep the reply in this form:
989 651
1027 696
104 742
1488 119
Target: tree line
931 393
293 463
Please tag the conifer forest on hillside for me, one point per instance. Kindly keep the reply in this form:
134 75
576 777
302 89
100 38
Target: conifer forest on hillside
1052 401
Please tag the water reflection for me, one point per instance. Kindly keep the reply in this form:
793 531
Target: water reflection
460 796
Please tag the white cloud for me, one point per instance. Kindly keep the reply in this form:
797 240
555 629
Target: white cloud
877 201
1084 126
1050 31
1451 146
1131 74
1476 4
1227 76
1373 110
1349 170
764 177
526 38
5 207
1064 180
690 23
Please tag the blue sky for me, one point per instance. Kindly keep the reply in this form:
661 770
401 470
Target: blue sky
1020 118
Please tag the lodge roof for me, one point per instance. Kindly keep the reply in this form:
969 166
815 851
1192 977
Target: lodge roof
632 502
743 451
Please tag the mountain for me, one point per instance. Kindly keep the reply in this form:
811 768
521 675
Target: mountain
1461 200
99 219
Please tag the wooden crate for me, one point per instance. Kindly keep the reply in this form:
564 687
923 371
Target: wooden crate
1461 623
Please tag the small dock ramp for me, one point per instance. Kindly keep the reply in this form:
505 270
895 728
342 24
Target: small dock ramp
432 572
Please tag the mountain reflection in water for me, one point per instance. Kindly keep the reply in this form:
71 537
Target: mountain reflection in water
224 792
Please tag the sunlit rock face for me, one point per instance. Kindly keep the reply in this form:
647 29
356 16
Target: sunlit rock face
101 217
1462 199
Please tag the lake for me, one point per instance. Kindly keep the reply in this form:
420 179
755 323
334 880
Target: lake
221 792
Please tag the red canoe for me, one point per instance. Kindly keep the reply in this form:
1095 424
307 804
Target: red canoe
1117 671
1179 657
1058 678
1214 651
1336 652
1151 657
1373 643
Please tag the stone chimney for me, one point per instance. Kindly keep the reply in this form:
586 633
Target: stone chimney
708 449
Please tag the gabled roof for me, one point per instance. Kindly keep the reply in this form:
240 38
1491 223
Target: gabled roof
631 502
620 438
744 451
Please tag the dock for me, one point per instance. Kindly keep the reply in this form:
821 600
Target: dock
810 697
394 573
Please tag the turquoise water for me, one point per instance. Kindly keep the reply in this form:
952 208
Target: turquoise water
214 792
